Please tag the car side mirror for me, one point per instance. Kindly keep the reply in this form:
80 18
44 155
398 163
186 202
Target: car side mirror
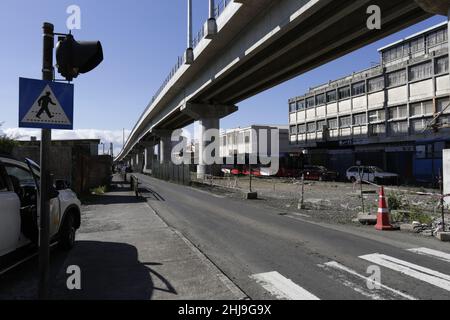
62 185
53 193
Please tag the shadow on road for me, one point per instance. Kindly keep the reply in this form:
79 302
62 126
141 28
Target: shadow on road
109 271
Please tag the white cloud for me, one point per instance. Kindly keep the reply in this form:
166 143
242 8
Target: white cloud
106 136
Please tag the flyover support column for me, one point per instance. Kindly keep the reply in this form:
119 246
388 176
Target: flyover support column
149 156
209 116
141 161
165 146
206 125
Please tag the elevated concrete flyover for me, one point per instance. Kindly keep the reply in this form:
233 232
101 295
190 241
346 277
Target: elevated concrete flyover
260 44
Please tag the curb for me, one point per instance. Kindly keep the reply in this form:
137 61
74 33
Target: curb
235 290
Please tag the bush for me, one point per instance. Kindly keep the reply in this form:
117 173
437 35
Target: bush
7 144
397 201
99 190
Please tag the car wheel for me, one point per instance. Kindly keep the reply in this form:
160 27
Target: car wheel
68 231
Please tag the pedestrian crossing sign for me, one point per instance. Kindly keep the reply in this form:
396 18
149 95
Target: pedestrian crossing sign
45 104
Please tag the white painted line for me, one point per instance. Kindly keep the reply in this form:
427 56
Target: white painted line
432 253
338 266
208 193
421 273
281 287
301 215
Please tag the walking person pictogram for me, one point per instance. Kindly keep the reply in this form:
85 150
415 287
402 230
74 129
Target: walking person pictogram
43 102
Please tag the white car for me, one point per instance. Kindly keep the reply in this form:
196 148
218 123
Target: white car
371 174
19 215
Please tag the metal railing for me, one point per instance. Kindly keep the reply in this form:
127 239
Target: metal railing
180 174
218 10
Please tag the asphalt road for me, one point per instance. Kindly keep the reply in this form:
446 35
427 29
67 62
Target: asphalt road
285 256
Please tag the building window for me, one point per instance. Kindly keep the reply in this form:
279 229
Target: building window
377 129
360 119
419 125
247 139
224 141
331 96
321 125
398 128
422 108
416 109
442 104
320 99
421 71
312 127
398 112
302 129
292 107
344 92
375 116
437 37
396 78
442 65
333 123
428 107
396 53
376 84
310 102
417 45
300 105
293 129
345 122
359 88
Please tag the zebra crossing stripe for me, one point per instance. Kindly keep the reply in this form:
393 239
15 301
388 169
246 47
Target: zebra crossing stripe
338 266
431 253
282 288
430 276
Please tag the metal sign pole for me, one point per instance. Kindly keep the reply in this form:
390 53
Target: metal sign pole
44 201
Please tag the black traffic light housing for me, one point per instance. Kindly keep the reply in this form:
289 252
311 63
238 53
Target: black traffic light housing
75 57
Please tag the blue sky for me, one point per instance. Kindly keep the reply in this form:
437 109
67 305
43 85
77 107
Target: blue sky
141 40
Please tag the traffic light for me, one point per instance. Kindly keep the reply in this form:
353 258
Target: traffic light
74 57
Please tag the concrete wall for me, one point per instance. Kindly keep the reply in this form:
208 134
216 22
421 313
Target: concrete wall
75 164
61 166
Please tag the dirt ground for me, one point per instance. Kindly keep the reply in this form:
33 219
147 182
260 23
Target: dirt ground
336 202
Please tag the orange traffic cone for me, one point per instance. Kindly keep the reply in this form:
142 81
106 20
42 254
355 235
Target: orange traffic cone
383 220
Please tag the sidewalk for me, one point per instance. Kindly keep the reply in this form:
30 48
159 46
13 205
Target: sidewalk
125 251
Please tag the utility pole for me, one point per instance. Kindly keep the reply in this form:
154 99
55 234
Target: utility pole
189 55
44 201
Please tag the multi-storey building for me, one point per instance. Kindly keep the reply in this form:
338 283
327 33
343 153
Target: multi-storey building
247 141
380 116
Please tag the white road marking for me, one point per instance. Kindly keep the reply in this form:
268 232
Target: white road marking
281 287
338 266
208 193
301 215
432 253
421 273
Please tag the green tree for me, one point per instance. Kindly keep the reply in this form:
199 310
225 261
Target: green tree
7 143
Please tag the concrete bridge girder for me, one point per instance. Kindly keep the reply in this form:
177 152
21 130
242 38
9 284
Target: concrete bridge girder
441 7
